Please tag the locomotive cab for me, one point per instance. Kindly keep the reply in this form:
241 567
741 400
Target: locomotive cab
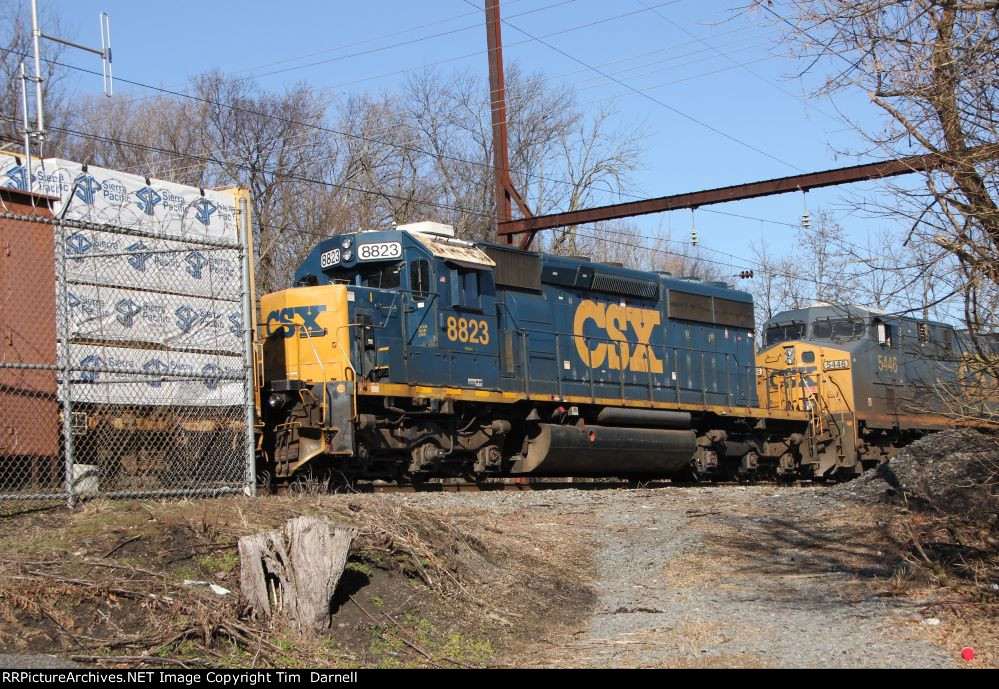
872 379
367 311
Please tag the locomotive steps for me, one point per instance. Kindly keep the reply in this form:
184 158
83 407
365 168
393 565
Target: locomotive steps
665 577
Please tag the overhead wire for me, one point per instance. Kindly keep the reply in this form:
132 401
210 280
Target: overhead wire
585 67
743 263
653 98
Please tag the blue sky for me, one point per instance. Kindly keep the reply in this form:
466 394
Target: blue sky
708 60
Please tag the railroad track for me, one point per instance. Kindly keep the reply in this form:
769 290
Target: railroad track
515 485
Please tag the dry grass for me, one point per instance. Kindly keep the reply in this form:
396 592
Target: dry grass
107 583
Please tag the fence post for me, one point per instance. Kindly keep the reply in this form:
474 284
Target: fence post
64 333
246 257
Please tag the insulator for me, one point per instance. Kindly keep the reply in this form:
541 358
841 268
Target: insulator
693 237
806 220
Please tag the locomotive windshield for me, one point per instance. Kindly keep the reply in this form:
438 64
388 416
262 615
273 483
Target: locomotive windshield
377 276
841 329
784 333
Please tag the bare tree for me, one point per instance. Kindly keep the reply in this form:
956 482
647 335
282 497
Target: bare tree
559 157
930 67
316 166
624 243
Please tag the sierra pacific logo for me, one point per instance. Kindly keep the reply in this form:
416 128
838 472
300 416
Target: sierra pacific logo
78 244
88 306
186 318
126 311
86 188
148 199
138 260
236 323
214 372
17 178
91 362
196 263
204 210
156 370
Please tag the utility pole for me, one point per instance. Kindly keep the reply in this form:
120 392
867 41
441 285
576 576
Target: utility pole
529 225
506 193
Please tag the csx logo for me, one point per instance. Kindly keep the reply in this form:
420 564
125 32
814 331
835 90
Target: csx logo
794 377
618 328
305 316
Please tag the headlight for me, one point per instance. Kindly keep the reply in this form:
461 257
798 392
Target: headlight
276 400
789 355
348 254
345 242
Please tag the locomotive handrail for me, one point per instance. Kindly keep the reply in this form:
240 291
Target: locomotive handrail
390 307
308 336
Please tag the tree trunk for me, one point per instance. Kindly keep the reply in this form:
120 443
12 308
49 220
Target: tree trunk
292 573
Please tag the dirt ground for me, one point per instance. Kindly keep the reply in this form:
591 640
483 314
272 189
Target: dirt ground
723 576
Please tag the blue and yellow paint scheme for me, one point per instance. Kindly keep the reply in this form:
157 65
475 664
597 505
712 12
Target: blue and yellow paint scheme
411 346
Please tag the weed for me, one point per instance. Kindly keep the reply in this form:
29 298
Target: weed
223 563
469 650
360 568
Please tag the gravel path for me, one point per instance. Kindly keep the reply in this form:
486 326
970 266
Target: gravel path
673 593
726 577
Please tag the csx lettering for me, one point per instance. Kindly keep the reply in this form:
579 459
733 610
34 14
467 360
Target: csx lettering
465 330
615 320
286 319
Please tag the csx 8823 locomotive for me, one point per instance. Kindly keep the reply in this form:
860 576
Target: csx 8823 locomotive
409 354
412 353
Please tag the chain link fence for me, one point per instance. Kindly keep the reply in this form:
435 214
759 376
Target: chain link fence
126 361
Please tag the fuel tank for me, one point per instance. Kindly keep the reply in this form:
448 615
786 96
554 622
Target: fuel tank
555 450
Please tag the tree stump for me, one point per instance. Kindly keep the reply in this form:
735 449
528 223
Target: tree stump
292 573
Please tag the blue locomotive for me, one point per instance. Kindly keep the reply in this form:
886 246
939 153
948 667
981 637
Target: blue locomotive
410 353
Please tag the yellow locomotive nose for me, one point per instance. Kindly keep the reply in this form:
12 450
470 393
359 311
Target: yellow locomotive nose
305 334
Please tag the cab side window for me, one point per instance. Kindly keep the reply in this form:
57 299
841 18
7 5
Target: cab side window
465 288
886 333
419 278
